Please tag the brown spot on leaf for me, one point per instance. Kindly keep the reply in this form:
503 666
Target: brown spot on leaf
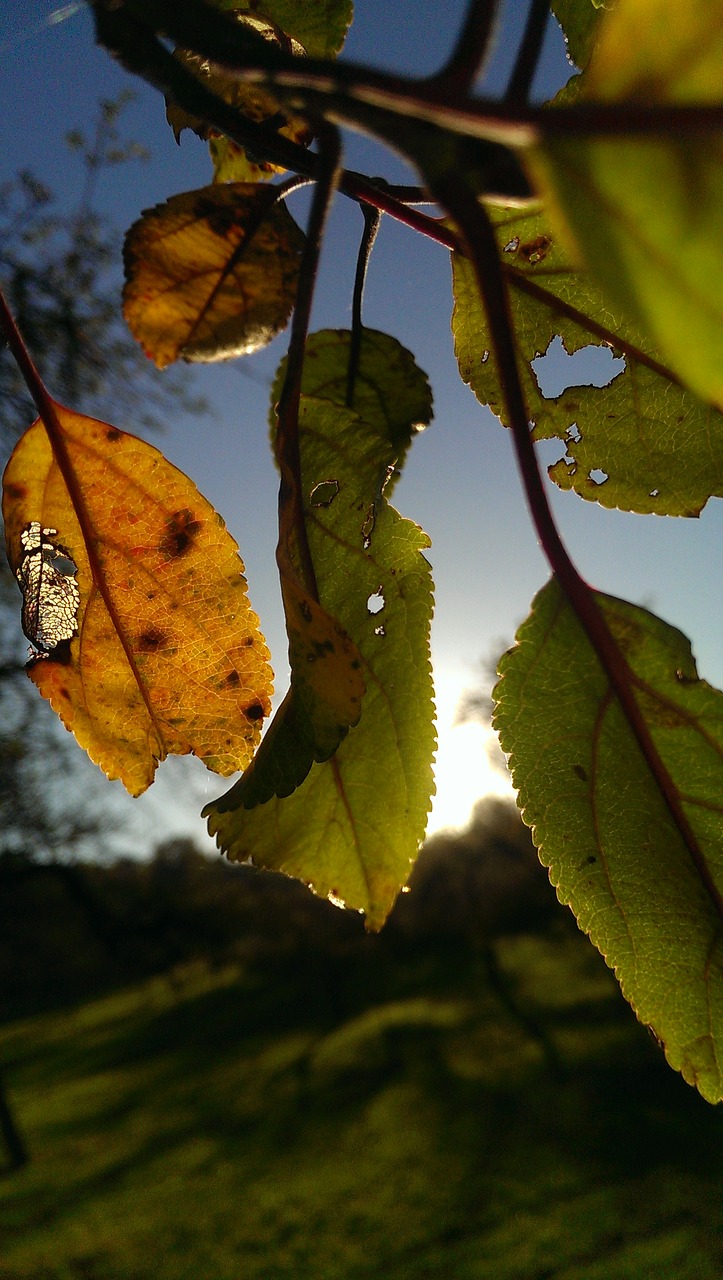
233 677
254 712
581 773
535 250
113 434
16 491
181 529
151 639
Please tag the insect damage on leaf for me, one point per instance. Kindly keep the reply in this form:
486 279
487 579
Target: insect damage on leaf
50 592
168 656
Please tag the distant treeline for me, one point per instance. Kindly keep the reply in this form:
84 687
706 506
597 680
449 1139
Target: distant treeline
73 930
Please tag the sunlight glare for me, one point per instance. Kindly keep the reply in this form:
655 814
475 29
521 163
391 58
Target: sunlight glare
466 767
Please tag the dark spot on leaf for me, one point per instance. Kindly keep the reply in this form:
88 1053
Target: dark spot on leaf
181 529
355 664
322 647
254 712
580 772
16 491
113 434
249 641
305 611
151 639
535 250
233 677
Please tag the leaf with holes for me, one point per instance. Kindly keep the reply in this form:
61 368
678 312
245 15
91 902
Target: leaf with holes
645 885
641 443
211 274
645 213
134 596
353 827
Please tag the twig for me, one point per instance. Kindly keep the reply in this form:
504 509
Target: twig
471 48
372 218
528 54
291 504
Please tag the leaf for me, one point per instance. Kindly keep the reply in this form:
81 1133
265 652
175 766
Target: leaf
211 274
165 656
580 21
353 827
319 25
615 854
644 214
393 395
390 391
643 443
231 162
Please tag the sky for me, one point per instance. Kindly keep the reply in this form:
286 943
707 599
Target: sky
460 482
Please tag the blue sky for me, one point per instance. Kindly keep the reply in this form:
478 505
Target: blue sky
460 480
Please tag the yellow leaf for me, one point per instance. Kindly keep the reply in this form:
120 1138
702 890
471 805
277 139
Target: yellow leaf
211 274
152 647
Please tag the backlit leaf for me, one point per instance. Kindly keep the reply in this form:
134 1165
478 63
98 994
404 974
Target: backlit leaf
319 25
165 656
650 902
353 827
580 20
211 274
231 162
646 214
390 390
642 443
391 394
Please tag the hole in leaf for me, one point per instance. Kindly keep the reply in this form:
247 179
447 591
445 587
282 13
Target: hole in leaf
512 245
592 366
597 475
380 630
50 592
654 493
376 601
573 433
324 493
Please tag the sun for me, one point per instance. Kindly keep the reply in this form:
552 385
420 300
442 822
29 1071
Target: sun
466 767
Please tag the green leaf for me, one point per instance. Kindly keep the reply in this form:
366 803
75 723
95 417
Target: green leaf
390 392
353 827
579 20
650 903
659 446
646 214
319 25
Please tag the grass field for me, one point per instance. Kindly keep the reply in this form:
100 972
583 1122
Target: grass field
208 1126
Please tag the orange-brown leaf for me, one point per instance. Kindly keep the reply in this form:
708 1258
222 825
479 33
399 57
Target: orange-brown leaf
168 657
211 274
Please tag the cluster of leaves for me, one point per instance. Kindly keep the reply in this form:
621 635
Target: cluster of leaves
576 220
